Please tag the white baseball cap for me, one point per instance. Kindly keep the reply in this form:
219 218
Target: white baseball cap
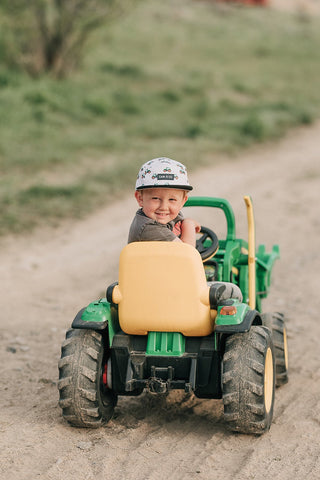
163 172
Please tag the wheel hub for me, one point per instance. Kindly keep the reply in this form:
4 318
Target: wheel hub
268 380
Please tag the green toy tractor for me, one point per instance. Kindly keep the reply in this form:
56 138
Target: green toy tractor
162 327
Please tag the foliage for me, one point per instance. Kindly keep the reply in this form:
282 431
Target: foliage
49 35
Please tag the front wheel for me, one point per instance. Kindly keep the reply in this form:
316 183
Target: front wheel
85 399
248 381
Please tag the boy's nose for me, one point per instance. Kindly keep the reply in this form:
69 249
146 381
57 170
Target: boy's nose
164 205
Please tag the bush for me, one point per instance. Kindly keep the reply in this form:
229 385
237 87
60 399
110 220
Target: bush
49 36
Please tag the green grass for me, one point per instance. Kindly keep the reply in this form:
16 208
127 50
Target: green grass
178 78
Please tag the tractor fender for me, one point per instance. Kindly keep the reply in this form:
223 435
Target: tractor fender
251 317
93 317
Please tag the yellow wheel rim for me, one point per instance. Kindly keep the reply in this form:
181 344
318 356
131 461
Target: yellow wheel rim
268 380
285 346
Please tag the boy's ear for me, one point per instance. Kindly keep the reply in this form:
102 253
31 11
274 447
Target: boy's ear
138 196
185 198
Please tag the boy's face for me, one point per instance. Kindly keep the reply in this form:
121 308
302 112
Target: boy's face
161 204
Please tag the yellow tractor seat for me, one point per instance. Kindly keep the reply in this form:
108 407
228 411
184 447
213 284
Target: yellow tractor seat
162 288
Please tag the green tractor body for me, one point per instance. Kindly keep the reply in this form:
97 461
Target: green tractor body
237 361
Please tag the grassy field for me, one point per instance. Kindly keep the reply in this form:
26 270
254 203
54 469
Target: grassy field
185 79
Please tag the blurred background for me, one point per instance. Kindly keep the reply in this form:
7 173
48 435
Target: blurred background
91 90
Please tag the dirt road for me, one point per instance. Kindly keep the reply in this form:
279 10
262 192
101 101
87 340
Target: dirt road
302 7
47 277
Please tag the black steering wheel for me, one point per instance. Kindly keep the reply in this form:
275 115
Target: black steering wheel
207 251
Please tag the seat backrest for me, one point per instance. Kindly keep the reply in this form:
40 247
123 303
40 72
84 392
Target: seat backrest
162 288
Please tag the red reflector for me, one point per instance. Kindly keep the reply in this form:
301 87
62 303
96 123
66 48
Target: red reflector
104 376
228 310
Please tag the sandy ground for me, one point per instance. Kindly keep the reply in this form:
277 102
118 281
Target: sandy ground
47 277
308 7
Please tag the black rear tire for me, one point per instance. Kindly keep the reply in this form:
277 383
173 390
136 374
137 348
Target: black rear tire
248 381
84 398
276 323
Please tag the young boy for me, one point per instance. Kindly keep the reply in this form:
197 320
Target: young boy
162 188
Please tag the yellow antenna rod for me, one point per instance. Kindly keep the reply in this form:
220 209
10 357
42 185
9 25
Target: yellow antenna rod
251 253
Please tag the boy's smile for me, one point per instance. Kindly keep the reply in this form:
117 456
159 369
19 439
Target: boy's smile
161 204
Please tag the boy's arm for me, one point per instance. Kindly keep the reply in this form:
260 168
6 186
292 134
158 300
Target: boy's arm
189 228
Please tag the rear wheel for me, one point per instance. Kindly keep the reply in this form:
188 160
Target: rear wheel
249 381
85 398
276 323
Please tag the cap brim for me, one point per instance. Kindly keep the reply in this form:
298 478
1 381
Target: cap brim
177 187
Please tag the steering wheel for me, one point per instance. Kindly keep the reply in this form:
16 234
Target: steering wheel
207 251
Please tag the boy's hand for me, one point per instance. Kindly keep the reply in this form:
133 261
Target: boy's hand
197 227
177 229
